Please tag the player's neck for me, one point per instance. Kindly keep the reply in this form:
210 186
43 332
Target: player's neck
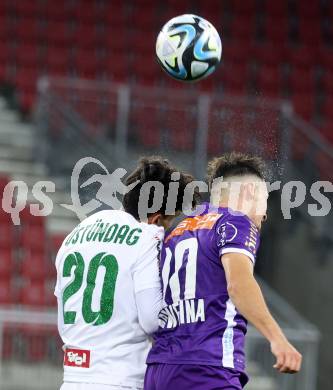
236 208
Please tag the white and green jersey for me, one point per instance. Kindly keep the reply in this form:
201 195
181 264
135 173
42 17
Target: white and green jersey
101 266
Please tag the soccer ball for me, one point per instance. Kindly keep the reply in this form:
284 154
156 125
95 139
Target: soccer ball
188 48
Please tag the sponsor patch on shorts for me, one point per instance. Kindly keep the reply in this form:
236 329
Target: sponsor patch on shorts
77 358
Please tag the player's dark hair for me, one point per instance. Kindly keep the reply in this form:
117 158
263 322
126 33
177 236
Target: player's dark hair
236 164
155 168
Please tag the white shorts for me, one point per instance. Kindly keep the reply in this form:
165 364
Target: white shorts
93 386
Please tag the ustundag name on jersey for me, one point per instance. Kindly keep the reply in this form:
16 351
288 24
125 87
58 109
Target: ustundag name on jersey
183 312
104 232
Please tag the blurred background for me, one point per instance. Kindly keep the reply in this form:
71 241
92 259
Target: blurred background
78 78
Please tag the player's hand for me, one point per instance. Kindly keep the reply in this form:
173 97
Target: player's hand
288 359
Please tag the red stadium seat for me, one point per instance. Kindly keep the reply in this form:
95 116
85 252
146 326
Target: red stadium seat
57 60
33 239
30 220
309 11
28 30
327 108
278 9
33 294
236 52
58 34
34 340
27 55
143 20
86 64
325 58
277 30
147 125
244 8
243 28
27 8
269 81
327 129
304 106
303 81
268 54
34 267
235 79
310 32
6 263
180 123
59 11
303 57
6 234
116 67
26 79
7 292
50 299
327 82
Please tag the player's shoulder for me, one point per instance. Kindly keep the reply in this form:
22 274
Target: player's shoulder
230 216
124 218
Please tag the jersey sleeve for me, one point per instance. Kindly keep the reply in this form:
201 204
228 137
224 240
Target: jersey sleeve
237 234
146 268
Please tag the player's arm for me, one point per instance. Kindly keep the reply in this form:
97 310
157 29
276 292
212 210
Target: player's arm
147 284
246 295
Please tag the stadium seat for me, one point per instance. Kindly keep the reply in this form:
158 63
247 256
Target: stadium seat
243 8
26 79
327 108
304 106
34 340
327 82
310 36
236 52
27 55
146 124
303 57
243 28
180 123
268 54
58 34
276 30
309 11
33 266
7 265
27 8
235 78
30 220
33 294
269 81
86 64
6 234
7 292
33 239
277 9
28 31
303 81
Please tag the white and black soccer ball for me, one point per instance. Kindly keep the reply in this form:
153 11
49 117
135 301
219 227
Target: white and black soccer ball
188 48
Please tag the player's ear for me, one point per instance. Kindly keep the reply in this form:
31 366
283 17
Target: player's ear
155 219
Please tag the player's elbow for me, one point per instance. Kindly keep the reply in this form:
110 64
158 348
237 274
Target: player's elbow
149 325
234 290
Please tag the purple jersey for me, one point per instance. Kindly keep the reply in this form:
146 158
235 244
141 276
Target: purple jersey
199 324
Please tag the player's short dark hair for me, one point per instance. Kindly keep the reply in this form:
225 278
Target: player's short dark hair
155 168
236 164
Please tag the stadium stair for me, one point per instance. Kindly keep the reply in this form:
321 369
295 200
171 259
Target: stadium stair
17 161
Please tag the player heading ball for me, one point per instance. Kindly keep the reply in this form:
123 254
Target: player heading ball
108 287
